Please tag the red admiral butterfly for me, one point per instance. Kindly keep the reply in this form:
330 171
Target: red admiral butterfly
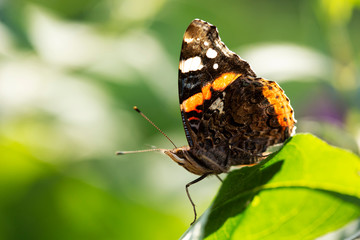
230 116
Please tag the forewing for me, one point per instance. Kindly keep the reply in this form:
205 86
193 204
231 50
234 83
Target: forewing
206 68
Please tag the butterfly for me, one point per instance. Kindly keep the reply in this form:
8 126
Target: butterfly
230 116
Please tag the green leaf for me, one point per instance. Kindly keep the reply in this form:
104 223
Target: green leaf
304 191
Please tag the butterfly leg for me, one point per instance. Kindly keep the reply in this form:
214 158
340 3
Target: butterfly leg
265 154
188 194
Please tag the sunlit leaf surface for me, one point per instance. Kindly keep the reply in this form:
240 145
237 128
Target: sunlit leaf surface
304 191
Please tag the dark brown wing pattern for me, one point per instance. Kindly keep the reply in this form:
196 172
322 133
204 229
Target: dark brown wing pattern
230 116
203 59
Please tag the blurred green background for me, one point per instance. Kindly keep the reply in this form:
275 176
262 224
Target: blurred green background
71 71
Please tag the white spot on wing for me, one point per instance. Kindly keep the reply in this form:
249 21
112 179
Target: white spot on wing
188 40
211 53
190 64
218 104
206 43
215 66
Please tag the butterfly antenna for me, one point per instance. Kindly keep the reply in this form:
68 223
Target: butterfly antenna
140 151
147 119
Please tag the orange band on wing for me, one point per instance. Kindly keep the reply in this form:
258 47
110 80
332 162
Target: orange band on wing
192 102
224 80
206 91
280 103
218 84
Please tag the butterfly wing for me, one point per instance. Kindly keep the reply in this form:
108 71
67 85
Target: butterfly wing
206 67
230 116
255 114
